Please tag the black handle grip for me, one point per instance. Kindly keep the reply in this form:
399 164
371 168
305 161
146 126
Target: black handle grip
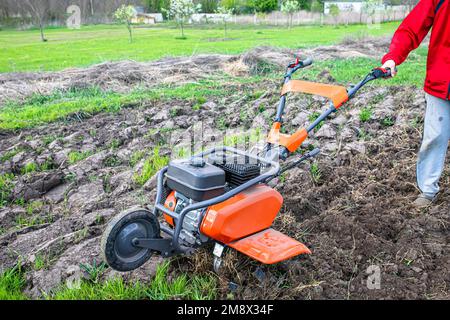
307 62
297 64
382 73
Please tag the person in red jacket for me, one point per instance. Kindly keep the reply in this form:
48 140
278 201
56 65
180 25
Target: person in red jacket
428 14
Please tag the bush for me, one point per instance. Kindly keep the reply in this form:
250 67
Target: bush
156 6
208 6
229 4
250 6
316 6
264 5
305 4
238 6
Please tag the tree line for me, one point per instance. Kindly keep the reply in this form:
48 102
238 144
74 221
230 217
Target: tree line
93 11
37 12
40 12
257 6
24 12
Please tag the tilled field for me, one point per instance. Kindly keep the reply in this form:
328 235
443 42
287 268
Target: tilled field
354 213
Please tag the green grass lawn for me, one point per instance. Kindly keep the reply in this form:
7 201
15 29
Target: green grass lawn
12 283
23 50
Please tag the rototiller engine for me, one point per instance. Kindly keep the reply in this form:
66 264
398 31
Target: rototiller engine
223 195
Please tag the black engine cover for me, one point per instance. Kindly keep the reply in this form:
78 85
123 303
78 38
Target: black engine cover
238 169
196 179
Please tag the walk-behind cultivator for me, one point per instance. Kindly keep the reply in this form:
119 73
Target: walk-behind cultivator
223 195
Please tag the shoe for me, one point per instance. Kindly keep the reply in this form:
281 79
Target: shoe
423 201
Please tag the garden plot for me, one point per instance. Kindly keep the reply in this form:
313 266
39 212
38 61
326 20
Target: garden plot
62 182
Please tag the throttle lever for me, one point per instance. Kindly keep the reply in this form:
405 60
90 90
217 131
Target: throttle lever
382 72
300 63
294 64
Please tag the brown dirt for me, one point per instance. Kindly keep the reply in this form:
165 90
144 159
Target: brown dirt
356 215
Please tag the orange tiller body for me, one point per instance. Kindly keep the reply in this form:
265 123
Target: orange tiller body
170 204
246 213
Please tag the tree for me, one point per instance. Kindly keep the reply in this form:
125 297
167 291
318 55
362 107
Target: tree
181 11
225 14
39 10
290 7
317 6
334 11
389 12
124 14
370 8
91 5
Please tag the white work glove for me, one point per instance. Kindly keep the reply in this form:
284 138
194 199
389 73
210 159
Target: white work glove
390 64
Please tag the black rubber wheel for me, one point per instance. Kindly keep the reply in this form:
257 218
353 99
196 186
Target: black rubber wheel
117 241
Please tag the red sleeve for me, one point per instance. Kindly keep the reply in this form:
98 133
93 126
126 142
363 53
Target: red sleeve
411 32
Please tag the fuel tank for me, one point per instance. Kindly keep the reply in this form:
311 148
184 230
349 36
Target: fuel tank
246 213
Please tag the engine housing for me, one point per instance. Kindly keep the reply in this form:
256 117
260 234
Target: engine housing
246 213
190 234
196 179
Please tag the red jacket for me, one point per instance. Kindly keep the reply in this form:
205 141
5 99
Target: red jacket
413 30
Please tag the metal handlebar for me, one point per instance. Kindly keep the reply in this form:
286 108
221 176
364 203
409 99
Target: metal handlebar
294 66
376 73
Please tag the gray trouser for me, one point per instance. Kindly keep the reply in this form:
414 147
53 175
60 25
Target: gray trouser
434 145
